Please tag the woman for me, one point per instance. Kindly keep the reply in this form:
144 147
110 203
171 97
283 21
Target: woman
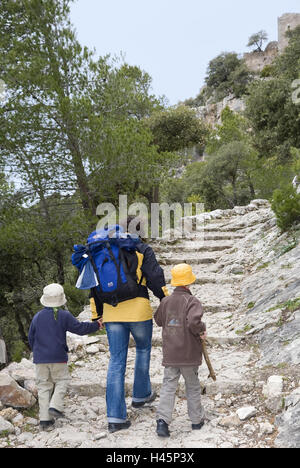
133 316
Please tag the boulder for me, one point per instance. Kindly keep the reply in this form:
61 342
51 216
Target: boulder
6 427
289 422
21 371
11 394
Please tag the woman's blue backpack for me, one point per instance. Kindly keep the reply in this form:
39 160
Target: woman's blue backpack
108 264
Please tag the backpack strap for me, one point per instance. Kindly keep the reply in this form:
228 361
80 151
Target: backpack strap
132 284
114 301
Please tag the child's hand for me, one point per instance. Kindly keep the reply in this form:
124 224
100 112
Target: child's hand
101 324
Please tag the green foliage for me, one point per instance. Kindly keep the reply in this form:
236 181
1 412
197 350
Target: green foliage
18 351
286 205
273 116
288 63
257 40
220 68
67 114
229 170
233 127
76 299
267 71
177 128
186 188
227 74
73 134
199 100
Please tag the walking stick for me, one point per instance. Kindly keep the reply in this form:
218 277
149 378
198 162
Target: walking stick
207 360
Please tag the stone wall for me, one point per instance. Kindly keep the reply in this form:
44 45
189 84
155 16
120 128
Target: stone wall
286 22
256 61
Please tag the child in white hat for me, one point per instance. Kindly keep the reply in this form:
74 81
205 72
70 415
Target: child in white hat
47 339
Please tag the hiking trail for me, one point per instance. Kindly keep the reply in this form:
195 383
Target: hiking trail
244 282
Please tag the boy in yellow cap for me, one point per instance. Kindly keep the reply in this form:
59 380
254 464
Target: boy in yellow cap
180 316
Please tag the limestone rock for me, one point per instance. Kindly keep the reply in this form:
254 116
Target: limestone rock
274 404
11 394
92 349
266 428
6 427
246 412
9 414
21 371
72 438
289 422
274 386
230 421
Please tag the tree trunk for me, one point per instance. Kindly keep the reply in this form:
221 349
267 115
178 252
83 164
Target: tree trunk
22 332
60 268
156 194
251 187
235 200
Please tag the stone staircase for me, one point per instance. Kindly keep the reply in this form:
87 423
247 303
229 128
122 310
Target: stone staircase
220 295
224 253
211 251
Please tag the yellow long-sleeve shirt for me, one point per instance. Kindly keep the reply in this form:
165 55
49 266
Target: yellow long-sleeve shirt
132 310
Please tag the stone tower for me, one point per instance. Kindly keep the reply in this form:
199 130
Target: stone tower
286 22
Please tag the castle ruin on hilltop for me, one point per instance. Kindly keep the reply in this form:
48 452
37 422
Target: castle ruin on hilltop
257 60
286 22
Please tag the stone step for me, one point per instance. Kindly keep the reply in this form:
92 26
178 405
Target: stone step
209 387
222 236
184 259
209 308
191 246
230 365
206 235
208 279
222 228
213 340
219 340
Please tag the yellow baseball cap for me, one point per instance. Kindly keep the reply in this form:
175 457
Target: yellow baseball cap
182 275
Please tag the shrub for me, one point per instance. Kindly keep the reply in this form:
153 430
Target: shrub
286 206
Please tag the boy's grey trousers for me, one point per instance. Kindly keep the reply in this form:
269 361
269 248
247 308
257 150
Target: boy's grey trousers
168 390
52 384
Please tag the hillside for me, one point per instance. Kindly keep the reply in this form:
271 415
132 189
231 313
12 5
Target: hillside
248 281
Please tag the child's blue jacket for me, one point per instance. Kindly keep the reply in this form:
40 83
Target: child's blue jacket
47 336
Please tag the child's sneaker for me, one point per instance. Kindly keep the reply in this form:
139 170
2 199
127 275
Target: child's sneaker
196 427
162 428
55 413
47 425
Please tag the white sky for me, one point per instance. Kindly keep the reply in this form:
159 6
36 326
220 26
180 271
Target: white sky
173 40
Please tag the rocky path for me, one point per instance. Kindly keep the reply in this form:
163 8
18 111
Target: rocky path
241 406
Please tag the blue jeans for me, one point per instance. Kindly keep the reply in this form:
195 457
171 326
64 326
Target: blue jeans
118 334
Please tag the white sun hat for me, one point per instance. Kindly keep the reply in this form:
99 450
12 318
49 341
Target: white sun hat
53 296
